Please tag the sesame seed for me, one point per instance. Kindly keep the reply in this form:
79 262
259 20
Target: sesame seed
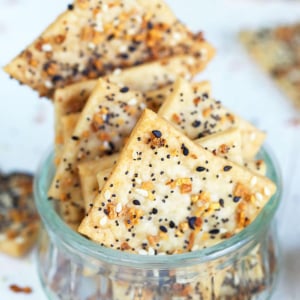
46 48
196 123
259 196
142 252
48 84
253 181
124 89
227 168
214 231
132 102
151 251
185 150
267 192
221 202
191 222
70 7
107 194
142 192
136 202
75 138
200 169
103 221
163 228
236 199
91 46
154 211
156 133
117 71
118 208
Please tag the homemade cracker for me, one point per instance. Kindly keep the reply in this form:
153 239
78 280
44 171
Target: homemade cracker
107 119
93 38
88 171
19 221
137 210
277 52
197 116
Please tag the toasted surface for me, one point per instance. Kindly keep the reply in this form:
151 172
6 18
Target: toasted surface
88 176
197 116
93 38
107 119
158 167
276 50
257 165
19 221
225 144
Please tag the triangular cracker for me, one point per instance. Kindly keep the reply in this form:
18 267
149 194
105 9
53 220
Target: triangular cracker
198 116
88 171
168 195
93 38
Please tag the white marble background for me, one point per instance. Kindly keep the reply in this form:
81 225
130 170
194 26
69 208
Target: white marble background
26 122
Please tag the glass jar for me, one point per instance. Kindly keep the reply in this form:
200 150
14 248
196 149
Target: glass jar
73 267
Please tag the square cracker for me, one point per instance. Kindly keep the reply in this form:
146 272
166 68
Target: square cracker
159 170
107 119
94 173
277 52
198 116
93 38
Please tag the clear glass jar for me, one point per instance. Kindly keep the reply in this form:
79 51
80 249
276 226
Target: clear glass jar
73 267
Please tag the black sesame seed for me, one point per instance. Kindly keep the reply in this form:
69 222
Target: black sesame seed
200 169
191 222
124 89
214 231
185 150
221 202
156 133
227 168
70 7
172 224
75 138
149 25
236 199
196 123
131 48
163 228
136 202
154 211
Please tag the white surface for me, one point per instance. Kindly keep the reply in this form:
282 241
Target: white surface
26 121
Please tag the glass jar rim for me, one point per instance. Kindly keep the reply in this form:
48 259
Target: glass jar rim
83 246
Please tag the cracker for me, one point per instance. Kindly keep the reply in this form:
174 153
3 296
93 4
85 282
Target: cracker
107 119
257 165
227 144
137 210
88 180
197 116
276 51
92 39
19 221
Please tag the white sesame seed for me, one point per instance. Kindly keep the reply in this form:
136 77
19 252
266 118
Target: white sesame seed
117 71
91 46
259 196
138 180
176 36
142 105
107 194
142 252
123 49
19 240
151 251
47 48
190 61
105 7
135 155
132 102
106 144
116 22
252 136
48 84
267 192
131 31
188 76
103 221
142 192
253 181
118 208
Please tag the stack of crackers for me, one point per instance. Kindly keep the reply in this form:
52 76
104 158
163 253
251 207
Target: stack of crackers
147 162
